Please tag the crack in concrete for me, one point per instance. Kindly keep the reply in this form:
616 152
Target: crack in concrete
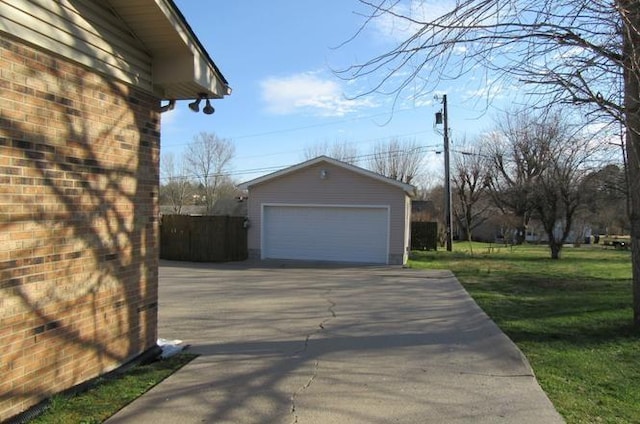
302 388
304 348
314 374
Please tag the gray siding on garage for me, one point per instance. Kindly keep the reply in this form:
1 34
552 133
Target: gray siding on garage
340 187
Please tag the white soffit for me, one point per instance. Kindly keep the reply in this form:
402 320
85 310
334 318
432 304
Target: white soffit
182 67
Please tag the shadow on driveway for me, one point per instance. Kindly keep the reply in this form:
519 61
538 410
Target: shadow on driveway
296 343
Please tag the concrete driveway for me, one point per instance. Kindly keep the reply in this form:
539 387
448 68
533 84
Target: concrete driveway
285 343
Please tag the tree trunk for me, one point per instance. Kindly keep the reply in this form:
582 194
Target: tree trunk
631 41
633 151
466 232
521 233
554 246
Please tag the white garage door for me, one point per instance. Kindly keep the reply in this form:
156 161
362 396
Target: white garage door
326 233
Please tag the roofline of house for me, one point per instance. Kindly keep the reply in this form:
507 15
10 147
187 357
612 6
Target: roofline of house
408 188
174 79
196 40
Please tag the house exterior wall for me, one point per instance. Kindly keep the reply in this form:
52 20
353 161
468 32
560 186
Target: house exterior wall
84 31
78 223
340 187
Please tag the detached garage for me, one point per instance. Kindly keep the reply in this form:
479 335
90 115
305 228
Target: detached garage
327 210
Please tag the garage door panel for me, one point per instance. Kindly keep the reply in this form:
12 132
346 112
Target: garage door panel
349 234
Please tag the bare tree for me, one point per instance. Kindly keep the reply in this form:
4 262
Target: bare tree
559 191
342 151
538 167
469 178
396 159
175 186
582 52
569 51
606 196
209 158
519 150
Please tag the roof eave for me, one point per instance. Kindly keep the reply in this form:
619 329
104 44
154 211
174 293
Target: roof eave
407 188
182 67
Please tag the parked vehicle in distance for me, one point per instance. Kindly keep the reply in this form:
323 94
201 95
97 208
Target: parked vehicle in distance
618 242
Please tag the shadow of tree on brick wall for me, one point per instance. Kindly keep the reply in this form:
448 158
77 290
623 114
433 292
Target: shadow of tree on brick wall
78 213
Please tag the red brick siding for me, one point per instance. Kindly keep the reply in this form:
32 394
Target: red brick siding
78 227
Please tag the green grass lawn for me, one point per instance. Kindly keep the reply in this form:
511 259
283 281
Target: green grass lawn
571 317
109 395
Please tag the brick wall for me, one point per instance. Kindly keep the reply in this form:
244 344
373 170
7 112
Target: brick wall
78 224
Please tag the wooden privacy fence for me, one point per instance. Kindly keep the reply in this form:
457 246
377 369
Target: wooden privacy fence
203 238
424 235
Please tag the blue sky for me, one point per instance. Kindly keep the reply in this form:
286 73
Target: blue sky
279 57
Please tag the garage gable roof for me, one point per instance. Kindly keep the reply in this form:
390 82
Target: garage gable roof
407 188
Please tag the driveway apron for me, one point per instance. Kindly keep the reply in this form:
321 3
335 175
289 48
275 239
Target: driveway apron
288 343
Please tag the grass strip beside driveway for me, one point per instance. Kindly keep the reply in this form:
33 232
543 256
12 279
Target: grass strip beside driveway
571 317
110 395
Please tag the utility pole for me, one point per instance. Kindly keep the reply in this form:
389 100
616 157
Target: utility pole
443 118
447 177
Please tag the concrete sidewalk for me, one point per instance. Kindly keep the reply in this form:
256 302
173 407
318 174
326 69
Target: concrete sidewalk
294 344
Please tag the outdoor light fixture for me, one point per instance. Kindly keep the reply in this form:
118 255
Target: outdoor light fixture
195 106
170 106
323 174
208 109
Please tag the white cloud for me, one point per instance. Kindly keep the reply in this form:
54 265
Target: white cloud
460 50
397 27
308 93
407 18
489 90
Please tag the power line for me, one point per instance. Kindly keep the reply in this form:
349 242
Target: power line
361 141
306 127
356 159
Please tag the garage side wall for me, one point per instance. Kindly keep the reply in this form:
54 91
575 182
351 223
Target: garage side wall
339 187
78 224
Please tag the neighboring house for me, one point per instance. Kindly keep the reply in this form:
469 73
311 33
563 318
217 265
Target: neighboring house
497 229
195 210
424 211
580 232
230 206
327 210
81 85
493 229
